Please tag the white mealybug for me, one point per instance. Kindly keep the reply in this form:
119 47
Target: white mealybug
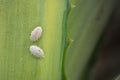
36 51
36 33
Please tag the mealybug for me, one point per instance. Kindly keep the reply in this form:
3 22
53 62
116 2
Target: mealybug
36 51
36 33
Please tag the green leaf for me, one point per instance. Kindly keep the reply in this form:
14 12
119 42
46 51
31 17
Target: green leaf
86 21
70 32
17 19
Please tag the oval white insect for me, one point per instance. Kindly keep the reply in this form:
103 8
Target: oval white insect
36 34
36 51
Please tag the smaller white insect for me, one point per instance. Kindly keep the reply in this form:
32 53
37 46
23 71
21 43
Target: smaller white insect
36 51
36 34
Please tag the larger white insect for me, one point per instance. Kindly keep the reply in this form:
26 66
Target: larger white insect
36 51
36 34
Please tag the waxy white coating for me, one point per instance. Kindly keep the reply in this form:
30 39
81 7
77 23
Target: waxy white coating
36 51
36 34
